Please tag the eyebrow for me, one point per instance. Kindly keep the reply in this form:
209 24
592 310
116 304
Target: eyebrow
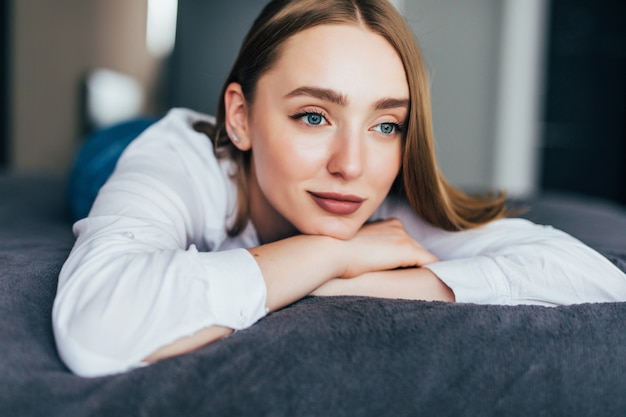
321 93
335 97
391 103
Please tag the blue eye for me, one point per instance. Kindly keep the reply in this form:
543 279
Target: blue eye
314 119
388 128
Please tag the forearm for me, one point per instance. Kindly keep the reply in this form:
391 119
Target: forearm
294 267
409 283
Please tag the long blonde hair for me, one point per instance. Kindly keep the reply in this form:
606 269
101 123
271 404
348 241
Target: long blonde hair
420 181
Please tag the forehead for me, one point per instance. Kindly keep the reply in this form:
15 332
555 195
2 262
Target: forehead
346 58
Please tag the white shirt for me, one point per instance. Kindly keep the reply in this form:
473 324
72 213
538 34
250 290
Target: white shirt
153 262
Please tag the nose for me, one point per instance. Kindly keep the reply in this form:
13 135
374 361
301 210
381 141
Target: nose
347 156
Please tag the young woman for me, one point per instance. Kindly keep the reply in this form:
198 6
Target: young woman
318 176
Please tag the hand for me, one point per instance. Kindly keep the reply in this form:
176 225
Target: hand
382 246
410 284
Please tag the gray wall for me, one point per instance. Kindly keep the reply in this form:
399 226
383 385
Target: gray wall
486 64
460 40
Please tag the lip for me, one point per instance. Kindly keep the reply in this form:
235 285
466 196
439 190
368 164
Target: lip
335 203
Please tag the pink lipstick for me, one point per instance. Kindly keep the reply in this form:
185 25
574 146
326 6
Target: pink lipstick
334 203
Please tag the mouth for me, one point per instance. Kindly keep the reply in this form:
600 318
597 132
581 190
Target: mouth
337 203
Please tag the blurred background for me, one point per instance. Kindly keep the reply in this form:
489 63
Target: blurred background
528 95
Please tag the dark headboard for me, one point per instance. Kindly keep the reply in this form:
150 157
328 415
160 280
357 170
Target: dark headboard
5 51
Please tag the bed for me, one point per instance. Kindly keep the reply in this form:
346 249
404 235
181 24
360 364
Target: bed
323 356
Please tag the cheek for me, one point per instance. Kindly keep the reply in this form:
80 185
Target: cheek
386 165
283 162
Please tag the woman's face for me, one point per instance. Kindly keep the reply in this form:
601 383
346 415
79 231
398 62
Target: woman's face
326 132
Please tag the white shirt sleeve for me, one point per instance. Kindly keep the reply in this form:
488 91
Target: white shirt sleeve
144 270
514 261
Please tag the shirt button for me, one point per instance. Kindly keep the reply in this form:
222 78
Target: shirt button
129 235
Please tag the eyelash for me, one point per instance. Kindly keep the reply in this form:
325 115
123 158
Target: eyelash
303 114
398 127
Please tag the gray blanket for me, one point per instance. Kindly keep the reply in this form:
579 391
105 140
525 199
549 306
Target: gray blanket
335 356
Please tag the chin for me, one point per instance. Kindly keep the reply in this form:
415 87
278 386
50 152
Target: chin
341 231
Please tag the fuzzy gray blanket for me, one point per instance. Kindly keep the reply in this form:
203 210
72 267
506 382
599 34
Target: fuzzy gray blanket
335 356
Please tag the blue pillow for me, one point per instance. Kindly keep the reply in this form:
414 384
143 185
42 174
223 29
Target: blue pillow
96 160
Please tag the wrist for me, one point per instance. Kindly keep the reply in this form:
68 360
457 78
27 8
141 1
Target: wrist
332 253
409 283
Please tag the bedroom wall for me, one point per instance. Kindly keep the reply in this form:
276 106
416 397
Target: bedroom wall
485 62
54 44
4 82
460 41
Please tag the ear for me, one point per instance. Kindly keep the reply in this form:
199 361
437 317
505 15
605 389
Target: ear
237 116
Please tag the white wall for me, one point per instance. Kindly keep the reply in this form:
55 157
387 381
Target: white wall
520 97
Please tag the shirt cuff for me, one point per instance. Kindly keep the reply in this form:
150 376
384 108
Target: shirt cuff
237 292
476 280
